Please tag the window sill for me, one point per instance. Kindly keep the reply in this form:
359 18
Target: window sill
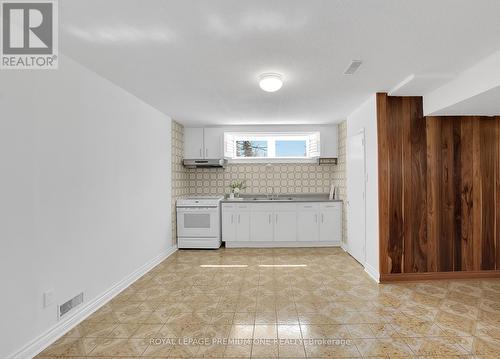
271 160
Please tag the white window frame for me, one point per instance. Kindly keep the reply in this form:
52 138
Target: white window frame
312 145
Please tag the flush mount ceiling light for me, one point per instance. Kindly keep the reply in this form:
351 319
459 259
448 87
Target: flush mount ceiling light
270 82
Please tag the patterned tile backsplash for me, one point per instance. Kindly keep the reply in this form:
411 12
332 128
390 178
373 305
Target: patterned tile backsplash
179 173
262 178
259 178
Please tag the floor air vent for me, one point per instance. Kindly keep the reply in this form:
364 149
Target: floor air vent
70 304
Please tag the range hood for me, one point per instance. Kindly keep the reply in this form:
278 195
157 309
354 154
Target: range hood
208 163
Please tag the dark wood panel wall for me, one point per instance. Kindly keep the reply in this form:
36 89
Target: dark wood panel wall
439 190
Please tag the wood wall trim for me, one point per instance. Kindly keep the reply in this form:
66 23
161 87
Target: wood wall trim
383 184
476 196
405 277
439 190
497 196
466 195
433 134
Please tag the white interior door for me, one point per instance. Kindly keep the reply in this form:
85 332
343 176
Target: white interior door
356 197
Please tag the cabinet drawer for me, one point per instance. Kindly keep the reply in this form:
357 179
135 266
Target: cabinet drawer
285 207
261 206
308 206
331 206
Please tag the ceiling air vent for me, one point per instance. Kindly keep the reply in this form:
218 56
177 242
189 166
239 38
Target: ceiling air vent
353 67
70 304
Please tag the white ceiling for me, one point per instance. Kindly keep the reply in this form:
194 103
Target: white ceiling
484 104
199 61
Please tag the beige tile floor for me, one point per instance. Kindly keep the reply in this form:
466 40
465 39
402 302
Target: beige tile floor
265 307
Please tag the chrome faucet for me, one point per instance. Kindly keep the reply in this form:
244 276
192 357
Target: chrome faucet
271 195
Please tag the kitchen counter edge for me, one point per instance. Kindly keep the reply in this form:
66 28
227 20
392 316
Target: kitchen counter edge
305 199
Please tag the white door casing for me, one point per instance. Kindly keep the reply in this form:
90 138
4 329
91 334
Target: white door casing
356 196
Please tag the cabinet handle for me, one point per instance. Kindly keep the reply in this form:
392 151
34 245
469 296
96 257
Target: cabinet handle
276 217
232 220
269 218
206 152
316 218
200 152
322 218
238 218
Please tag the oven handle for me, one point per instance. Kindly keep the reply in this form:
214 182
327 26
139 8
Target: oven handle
198 208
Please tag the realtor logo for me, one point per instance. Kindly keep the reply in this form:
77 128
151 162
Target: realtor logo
29 34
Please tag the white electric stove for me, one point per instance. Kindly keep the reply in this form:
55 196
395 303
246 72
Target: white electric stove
198 222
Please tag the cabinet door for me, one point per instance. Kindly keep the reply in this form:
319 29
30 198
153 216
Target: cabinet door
213 142
308 222
229 225
285 226
330 226
261 226
193 143
243 226
329 141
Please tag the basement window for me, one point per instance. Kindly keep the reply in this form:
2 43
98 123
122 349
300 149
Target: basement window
271 147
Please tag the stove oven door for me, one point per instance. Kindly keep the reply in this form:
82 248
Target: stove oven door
195 222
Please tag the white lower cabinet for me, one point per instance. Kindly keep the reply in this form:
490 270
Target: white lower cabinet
330 227
243 226
228 225
285 224
307 222
235 223
261 226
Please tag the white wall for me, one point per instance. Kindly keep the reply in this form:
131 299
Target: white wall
451 99
84 193
366 117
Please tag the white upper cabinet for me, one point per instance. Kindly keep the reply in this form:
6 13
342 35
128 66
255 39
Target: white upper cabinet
213 138
218 142
193 142
203 142
329 141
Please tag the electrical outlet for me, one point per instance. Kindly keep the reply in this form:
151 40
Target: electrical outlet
48 298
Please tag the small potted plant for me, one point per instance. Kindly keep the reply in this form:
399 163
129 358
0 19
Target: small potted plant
236 188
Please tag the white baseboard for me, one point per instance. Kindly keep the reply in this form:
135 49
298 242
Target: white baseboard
290 244
372 272
60 328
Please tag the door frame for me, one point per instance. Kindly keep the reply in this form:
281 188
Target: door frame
359 132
